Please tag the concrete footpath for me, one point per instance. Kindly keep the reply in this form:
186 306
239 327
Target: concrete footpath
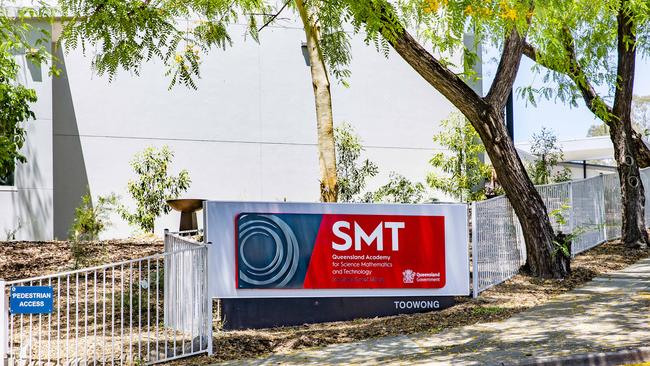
610 313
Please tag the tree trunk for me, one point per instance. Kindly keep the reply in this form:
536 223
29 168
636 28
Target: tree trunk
323 98
544 259
486 115
634 232
641 150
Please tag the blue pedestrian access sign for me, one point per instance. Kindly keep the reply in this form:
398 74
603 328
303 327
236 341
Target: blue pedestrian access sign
31 299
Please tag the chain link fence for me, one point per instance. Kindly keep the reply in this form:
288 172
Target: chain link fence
589 208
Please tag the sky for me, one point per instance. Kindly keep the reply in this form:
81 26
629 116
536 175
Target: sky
565 121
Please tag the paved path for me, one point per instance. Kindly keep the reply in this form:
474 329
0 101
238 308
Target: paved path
611 312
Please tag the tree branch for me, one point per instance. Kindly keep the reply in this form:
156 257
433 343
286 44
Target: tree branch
270 20
507 70
593 101
626 63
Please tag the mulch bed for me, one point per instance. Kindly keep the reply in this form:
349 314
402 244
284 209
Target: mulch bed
20 259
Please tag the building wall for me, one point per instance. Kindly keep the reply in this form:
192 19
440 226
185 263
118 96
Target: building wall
247 133
27 207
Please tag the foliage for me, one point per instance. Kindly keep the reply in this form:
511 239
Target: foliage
131 32
153 187
563 241
464 171
81 253
89 221
399 189
587 32
127 33
352 175
548 154
441 24
17 37
334 39
558 215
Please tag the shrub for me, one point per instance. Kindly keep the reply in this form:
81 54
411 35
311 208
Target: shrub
351 173
153 187
90 221
399 189
548 155
464 172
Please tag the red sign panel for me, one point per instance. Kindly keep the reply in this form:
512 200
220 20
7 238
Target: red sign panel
376 251
338 251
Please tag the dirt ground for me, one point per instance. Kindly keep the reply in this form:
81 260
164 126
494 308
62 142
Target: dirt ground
497 303
27 259
20 259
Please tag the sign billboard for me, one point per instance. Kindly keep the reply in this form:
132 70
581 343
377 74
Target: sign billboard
319 251
261 249
31 299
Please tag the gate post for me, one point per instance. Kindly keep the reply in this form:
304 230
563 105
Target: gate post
208 299
474 251
4 324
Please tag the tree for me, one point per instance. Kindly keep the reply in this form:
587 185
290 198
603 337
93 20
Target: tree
17 36
352 175
464 172
89 221
313 14
153 187
132 32
444 23
548 154
574 41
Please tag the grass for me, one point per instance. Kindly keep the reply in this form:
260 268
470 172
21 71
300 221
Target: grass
488 310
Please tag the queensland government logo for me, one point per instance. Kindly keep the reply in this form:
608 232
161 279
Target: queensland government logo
408 276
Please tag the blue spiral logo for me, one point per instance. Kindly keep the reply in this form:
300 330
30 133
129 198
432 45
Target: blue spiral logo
269 230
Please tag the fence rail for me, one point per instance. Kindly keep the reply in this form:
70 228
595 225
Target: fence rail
116 313
591 208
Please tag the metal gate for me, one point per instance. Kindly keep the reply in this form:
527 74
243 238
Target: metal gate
121 313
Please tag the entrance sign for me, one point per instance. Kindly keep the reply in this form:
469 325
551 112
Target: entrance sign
314 251
31 299
260 249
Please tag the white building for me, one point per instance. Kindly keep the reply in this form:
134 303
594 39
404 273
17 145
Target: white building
247 133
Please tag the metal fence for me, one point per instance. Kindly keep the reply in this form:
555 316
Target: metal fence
591 208
116 313
179 275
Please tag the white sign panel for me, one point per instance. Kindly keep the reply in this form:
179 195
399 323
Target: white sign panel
269 249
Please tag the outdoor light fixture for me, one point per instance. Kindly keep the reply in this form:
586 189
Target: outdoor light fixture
187 208
305 53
